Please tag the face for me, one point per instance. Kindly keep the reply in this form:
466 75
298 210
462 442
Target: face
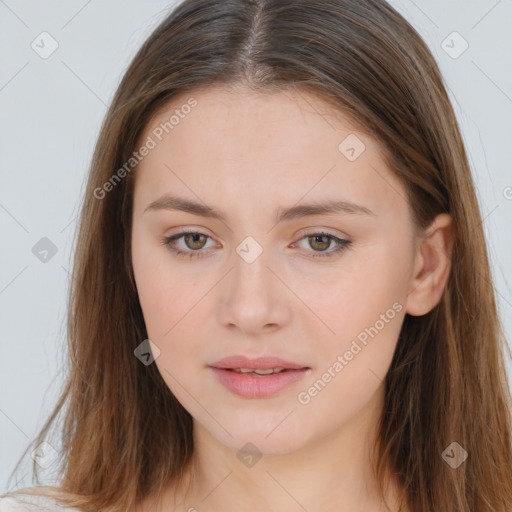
262 276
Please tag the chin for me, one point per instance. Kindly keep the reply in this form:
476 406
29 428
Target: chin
251 434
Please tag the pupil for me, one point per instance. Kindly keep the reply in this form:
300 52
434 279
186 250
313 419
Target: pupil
318 239
193 239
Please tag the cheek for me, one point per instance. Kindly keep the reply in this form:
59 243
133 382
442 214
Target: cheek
170 303
362 306
352 296
157 288
353 367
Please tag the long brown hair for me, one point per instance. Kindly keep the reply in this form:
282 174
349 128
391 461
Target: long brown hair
124 434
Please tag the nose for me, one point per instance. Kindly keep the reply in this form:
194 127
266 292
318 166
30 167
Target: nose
254 298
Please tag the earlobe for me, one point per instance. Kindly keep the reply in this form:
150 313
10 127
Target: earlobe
432 266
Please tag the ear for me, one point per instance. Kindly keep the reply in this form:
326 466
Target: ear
431 267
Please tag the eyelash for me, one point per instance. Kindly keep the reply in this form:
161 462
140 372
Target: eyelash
168 242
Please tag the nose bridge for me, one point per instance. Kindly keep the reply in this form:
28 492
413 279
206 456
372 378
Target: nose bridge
254 296
251 278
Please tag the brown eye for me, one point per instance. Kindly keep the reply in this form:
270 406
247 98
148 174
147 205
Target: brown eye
190 244
193 240
319 242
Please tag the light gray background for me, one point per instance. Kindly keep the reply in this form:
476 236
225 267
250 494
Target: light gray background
51 110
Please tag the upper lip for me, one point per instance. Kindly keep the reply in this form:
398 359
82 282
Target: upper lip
261 363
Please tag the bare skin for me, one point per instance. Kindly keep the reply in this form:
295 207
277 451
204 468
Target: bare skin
248 154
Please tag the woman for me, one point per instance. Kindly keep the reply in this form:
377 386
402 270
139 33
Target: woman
282 296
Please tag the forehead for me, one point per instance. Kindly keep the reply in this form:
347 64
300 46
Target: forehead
280 146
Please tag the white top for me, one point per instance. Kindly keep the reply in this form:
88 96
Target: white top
32 503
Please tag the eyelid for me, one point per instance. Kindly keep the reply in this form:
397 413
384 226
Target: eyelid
309 231
342 243
315 230
167 240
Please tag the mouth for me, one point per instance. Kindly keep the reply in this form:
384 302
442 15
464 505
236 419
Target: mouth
261 372
257 372
257 378
247 364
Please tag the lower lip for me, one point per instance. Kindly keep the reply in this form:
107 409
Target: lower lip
248 386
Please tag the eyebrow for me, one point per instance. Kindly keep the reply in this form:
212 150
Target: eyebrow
169 202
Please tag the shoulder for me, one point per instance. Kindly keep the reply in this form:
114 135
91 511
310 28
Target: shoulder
31 501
